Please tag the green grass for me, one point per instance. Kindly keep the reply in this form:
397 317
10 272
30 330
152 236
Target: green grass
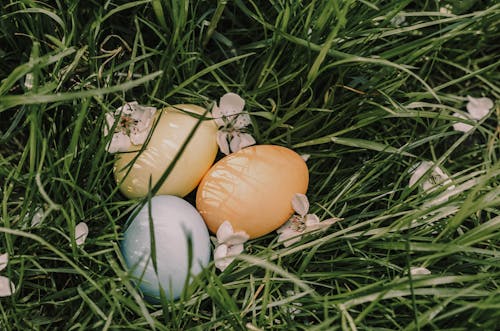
367 99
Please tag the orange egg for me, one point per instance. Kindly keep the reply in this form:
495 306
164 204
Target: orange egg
170 133
252 189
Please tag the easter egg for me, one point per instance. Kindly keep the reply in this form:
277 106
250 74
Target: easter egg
252 189
132 171
176 225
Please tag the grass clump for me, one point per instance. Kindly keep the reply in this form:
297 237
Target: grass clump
368 89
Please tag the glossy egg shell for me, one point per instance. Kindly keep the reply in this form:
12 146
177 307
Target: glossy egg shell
172 130
252 189
174 221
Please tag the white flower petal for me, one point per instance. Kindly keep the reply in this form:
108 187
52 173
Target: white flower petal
313 223
143 115
284 227
220 257
220 252
37 217
434 179
139 137
110 121
237 238
4 259
127 108
459 126
235 250
7 287
305 157
240 140
300 204
311 220
419 172
246 140
231 104
222 142
224 232
119 143
242 121
81 233
478 107
29 81
437 178
398 20
217 116
235 139
419 271
289 237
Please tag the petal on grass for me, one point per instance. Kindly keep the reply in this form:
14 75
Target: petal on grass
222 142
235 250
237 238
242 121
419 172
7 287
300 204
419 271
4 259
119 143
224 231
241 140
37 217
217 116
81 233
231 104
459 126
220 258
478 108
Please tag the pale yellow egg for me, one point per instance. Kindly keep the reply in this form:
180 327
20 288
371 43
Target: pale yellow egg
174 125
252 189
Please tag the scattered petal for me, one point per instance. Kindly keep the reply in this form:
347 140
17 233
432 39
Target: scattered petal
242 121
305 157
224 231
4 259
478 108
231 104
241 140
220 252
312 221
235 249
7 287
29 81
119 143
226 235
300 204
217 116
288 236
459 126
37 217
437 177
222 142
81 233
419 271
229 244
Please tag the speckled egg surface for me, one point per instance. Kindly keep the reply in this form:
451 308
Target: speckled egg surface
174 221
172 129
252 189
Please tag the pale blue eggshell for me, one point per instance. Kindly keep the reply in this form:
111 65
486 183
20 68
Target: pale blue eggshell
174 221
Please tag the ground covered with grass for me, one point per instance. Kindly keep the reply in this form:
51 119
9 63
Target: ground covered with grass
369 89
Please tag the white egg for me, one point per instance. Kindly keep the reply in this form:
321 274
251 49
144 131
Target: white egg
176 225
